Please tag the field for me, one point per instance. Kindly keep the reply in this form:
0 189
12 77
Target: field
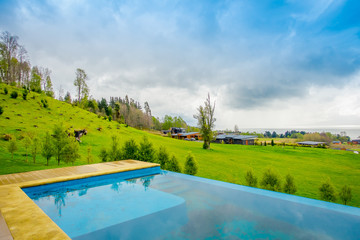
309 166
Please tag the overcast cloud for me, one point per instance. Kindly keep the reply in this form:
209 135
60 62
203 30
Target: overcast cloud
266 63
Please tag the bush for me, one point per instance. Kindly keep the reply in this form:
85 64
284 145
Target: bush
25 93
6 91
1 110
173 165
190 165
12 147
110 118
250 178
14 94
146 151
44 103
289 186
103 155
327 192
163 157
271 180
345 194
130 150
265 143
272 142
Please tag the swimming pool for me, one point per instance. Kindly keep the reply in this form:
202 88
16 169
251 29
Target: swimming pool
155 204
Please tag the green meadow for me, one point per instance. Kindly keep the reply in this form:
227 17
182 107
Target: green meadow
309 166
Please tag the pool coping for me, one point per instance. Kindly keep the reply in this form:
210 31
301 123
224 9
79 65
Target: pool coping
25 220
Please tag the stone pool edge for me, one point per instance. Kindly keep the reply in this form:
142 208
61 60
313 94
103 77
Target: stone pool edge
26 220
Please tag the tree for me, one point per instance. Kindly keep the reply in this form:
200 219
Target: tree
9 46
89 157
345 194
130 150
191 166
27 144
25 93
206 121
163 157
80 83
48 148
146 151
12 147
289 186
103 155
35 147
114 153
35 81
173 165
272 142
67 97
327 192
271 180
60 142
250 178
49 91
71 153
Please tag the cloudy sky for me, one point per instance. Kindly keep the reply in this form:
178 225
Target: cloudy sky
267 64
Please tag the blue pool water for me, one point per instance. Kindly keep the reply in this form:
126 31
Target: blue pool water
155 204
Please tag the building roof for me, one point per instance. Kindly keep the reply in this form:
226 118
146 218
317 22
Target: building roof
233 136
311 143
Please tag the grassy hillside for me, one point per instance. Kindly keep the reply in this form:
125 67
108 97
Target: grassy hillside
229 163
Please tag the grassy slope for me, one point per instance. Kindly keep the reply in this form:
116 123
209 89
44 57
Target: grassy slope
228 163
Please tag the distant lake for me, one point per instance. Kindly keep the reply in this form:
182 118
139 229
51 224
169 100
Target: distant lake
353 133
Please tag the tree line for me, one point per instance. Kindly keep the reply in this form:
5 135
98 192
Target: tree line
272 181
147 153
16 69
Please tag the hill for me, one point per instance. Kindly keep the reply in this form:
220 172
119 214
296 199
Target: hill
309 166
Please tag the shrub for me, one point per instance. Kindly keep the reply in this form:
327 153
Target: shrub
14 94
44 103
289 186
190 165
265 143
1 110
103 155
327 192
345 194
250 178
146 151
130 150
6 91
272 142
110 118
163 157
173 165
271 180
25 93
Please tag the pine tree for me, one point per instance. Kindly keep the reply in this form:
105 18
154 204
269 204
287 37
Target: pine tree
271 180
146 151
173 165
130 150
327 192
250 178
289 186
163 157
190 165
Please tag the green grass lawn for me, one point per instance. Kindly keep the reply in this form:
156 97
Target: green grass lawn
309 166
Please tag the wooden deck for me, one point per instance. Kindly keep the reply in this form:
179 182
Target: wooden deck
24 218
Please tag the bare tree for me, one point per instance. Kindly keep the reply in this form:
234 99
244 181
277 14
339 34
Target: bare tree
9 47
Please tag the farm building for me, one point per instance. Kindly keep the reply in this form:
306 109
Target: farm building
190 135
235 139
355 141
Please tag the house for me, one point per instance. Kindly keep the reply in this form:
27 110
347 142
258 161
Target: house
311 143
174 131
190 135
355 141
336 142
235 139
